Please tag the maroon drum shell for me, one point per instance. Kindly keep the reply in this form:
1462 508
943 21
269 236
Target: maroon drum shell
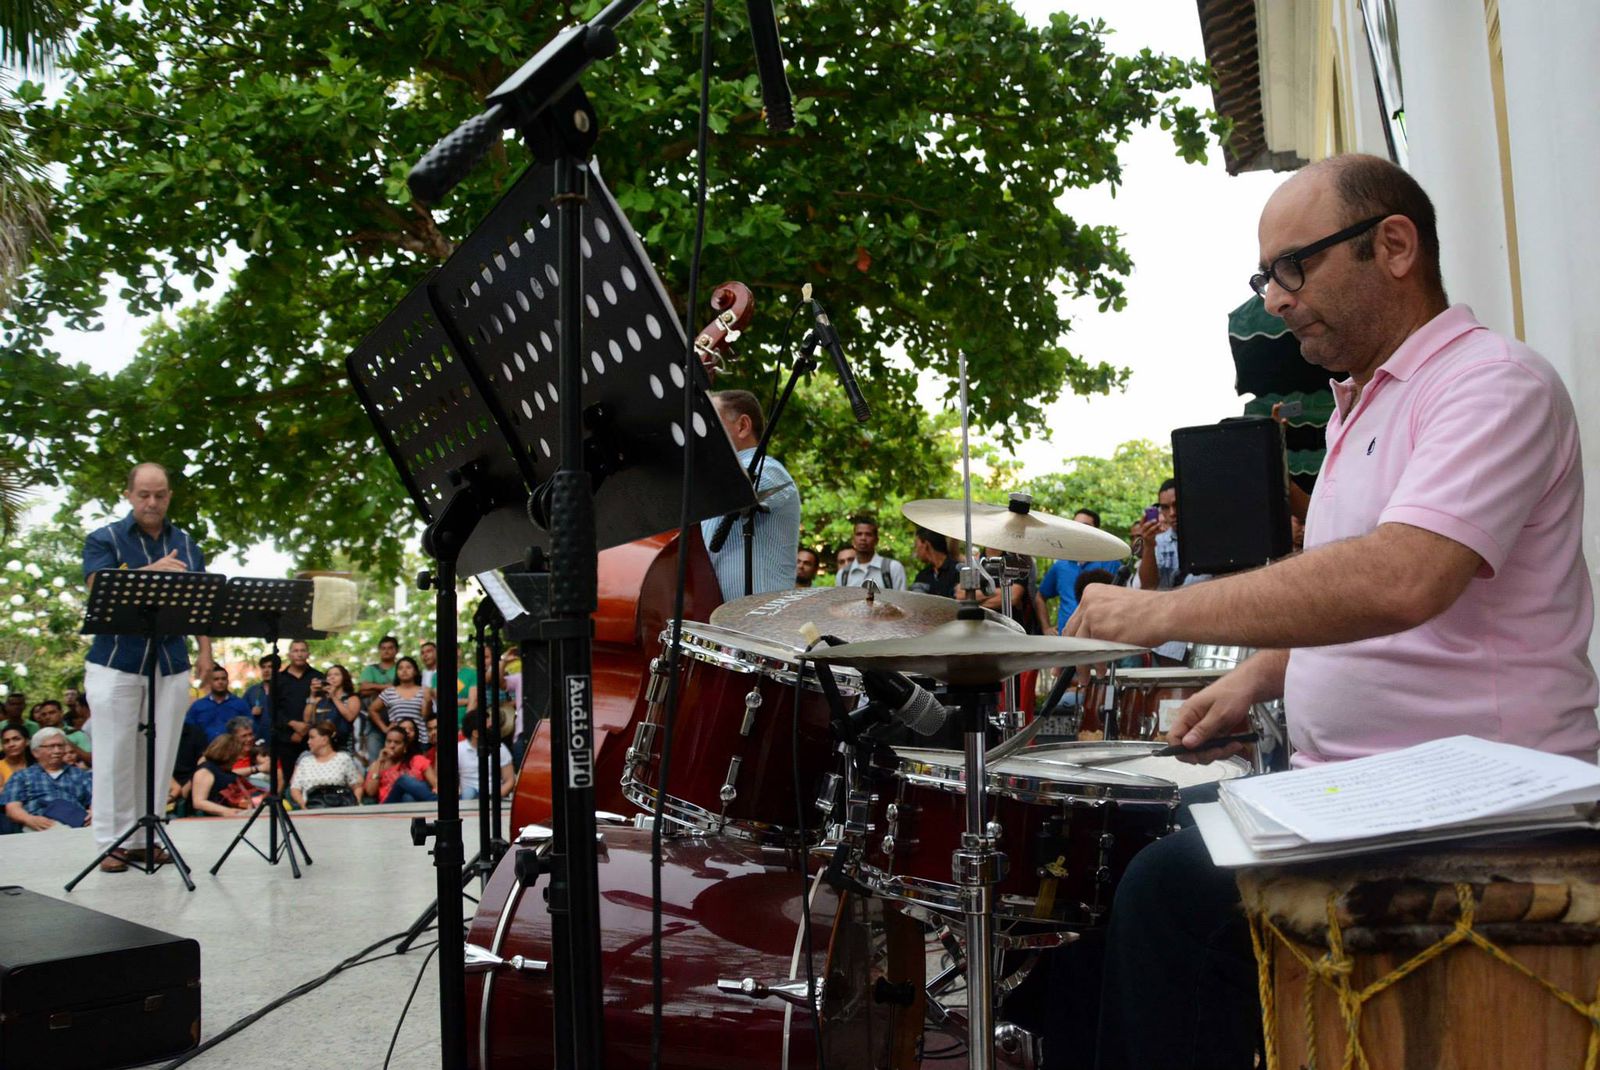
707 736
929 822
730 910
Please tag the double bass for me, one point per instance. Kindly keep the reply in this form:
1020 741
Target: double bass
636 593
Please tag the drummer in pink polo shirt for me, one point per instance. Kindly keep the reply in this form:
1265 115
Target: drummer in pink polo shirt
1442 591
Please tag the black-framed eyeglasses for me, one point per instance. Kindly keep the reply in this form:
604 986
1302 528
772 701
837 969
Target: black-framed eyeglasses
1289 271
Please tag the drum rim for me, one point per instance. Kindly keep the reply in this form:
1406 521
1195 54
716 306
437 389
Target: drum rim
756 655
1098 786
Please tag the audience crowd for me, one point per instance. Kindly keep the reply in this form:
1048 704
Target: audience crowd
369 738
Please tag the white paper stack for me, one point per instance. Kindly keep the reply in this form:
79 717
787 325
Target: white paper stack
1444 789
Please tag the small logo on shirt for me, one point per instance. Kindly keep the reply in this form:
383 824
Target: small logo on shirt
1371 444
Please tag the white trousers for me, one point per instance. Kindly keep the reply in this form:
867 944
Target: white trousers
117 700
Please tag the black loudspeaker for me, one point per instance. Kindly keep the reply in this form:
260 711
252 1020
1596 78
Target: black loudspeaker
82 990
1233 495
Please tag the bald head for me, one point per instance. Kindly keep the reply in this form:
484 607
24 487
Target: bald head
148 495
1357 299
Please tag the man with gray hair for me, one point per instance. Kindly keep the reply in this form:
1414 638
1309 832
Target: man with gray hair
114 676
777 521
50 793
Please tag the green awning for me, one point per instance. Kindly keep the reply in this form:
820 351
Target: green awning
1266 357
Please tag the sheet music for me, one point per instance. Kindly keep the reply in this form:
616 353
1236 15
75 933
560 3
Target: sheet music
506 602
1432 785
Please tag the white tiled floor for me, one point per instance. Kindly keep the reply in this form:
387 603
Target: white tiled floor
262 932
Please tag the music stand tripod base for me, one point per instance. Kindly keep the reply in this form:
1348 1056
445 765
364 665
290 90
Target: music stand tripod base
148 604
268 609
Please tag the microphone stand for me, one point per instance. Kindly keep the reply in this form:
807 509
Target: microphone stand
804 364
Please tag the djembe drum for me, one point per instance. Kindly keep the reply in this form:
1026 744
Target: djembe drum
1466 958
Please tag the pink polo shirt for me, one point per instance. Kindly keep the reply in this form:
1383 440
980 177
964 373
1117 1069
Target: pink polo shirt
1470 435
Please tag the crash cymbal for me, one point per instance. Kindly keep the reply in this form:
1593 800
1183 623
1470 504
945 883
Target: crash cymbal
851 613
1017 528
973 652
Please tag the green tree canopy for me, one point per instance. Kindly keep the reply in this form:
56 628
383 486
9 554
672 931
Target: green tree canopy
257 153
1118 487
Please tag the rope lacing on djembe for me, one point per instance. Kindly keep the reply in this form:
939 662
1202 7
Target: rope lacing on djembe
1334 969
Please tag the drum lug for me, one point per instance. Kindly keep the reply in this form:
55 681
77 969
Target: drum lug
482 960
828 797
655 692
644 744
792 992
729 792
858 813
752 703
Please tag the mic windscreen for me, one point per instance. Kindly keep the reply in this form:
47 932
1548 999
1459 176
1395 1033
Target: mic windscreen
922 713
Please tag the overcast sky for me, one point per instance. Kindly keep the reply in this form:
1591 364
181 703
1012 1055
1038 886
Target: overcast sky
1190 230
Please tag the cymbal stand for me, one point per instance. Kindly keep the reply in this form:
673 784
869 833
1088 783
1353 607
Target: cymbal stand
977 867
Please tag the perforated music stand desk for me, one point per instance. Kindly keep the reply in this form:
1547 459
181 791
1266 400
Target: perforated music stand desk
252 608
462 377
149 604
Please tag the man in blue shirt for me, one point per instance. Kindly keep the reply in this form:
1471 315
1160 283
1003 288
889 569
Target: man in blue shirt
114 675
777 526
50 792
212 711
259 698
1061 579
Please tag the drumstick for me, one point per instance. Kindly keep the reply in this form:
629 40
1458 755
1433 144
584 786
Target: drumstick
1174 749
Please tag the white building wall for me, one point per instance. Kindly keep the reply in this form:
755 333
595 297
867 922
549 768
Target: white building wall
1455 154
1553 114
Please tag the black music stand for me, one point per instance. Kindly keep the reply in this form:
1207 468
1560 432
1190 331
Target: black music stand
268 609
493 414
149 604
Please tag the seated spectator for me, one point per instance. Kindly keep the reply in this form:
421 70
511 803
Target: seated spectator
401 774
192 745
50 793
49 714
78 716
12 713
404 700
14 753
467 761
325 776
333 699
212 711
217 789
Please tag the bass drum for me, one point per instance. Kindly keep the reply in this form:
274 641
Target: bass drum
637 581
730 911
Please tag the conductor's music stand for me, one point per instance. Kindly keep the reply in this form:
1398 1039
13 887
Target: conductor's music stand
493 411
149 604
268 609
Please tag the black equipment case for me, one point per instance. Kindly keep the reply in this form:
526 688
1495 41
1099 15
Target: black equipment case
82 990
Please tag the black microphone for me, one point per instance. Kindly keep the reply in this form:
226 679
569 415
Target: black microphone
911 705
829 338
775 98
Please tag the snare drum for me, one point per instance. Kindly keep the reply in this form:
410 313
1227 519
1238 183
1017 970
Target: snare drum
1067 830
732 768
1148 699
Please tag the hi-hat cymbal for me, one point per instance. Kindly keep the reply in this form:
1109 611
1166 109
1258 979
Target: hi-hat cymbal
851 613
1017 529
970 652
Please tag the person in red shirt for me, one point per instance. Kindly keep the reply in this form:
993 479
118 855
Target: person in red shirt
401 774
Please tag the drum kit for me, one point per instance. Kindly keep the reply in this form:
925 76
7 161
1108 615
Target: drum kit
798 797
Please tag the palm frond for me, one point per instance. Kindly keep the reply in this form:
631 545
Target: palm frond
32 32
13 495
24 198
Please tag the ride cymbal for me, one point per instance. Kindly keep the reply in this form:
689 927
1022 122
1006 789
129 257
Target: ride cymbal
851 613
1017 528
968 652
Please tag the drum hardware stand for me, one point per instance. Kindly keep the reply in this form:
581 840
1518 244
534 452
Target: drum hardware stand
148 604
